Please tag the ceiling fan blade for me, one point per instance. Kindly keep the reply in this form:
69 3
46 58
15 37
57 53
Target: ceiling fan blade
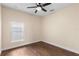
32 7
44 9
46 4
36 11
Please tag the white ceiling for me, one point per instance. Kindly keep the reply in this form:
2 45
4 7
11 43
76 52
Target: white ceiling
23 7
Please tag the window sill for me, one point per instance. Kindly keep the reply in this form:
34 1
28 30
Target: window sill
17 41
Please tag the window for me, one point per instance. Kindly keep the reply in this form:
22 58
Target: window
17 31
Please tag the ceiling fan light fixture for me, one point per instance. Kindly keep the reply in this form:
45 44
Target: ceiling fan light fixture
38 8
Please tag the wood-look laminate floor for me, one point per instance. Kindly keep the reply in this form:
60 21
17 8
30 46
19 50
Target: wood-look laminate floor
38 49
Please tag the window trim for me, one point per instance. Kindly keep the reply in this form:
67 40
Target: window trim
17 40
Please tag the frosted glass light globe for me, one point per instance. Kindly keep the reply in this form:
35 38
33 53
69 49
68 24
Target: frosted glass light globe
38 8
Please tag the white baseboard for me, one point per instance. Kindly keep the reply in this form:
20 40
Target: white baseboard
18 46
62 47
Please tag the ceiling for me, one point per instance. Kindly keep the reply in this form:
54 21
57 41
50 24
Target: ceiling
49 8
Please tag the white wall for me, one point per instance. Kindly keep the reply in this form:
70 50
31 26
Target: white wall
31 24
0 28
62 28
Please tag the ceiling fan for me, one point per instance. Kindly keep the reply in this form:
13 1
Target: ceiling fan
39 6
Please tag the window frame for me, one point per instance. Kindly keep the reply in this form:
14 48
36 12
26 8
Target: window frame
14 40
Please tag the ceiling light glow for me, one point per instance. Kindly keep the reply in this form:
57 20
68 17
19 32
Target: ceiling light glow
38 8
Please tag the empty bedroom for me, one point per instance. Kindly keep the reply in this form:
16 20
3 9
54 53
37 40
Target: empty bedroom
39 29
